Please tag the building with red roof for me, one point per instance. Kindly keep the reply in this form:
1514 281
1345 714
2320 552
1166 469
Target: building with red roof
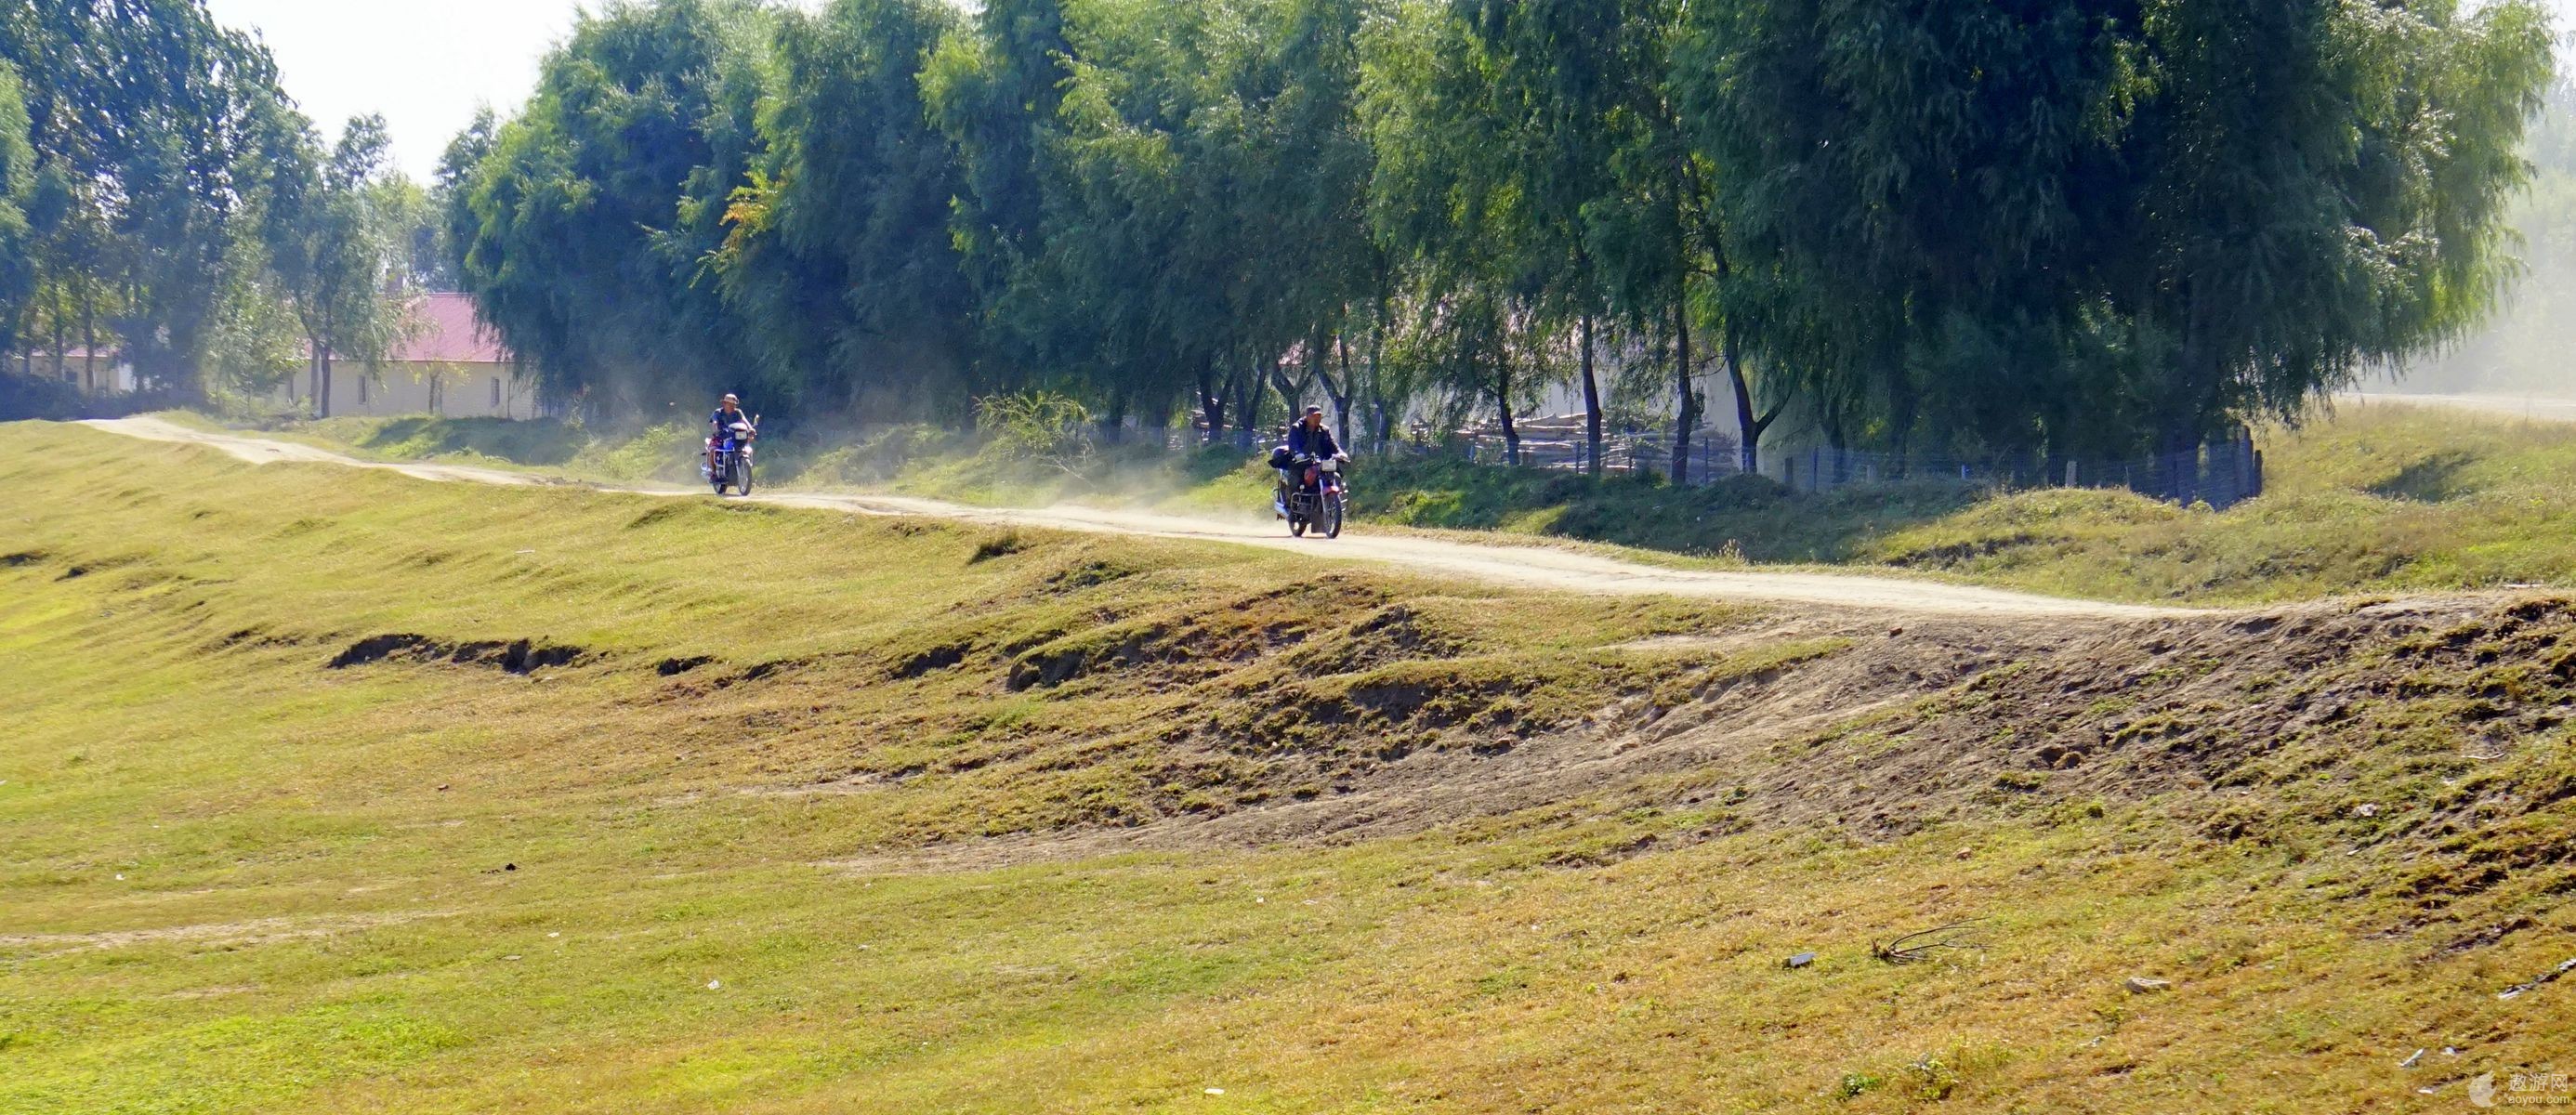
452 364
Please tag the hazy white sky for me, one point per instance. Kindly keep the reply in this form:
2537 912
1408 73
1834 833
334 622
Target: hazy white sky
426 64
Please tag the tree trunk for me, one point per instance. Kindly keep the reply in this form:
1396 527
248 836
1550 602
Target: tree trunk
1748 454
1113 423
2179 441
1591 401
89 340
1377 377
1688 420
1247 405
1341 392
1503 405
323 400
1211 408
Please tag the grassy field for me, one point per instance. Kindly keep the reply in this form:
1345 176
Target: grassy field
333 791
2382 498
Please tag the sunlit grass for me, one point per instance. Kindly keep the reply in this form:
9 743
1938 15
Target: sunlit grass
237 880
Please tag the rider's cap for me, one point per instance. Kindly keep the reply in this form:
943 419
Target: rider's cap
730 397
1314 410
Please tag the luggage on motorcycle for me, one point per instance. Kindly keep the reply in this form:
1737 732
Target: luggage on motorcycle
1281 458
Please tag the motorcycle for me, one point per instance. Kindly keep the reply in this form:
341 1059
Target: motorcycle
728 460
1319 499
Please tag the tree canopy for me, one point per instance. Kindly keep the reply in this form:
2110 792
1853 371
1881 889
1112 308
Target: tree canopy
2043 227
162 198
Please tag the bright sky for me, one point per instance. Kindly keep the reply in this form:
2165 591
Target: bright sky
427 64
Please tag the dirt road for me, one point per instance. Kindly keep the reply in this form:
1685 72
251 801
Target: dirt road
2532 407
1502 563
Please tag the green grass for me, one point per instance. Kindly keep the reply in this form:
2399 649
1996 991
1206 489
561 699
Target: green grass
887 817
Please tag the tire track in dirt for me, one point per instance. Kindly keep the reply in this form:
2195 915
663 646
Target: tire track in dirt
1534 567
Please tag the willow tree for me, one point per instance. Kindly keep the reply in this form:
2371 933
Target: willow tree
585 225
342 254
994 90
2098 224
17 181
838 255
1902 177
2324 188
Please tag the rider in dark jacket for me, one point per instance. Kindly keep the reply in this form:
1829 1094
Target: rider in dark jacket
1311 438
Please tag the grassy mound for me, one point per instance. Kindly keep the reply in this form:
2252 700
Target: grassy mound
337 791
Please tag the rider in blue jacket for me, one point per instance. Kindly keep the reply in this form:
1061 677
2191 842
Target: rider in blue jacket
727 413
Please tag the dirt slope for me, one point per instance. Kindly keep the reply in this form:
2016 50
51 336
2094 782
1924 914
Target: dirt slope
1521 566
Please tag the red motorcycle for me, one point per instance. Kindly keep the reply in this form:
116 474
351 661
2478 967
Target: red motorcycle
1319 499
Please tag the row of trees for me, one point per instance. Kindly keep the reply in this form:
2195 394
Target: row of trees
2042 226
161 200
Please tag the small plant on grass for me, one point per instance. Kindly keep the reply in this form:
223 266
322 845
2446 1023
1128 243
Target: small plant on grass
1002 544
1040 426
1934 1080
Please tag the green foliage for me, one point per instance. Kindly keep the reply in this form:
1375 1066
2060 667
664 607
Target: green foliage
837 255
160 140
2079 226
177 212
1037 425
584 226
2066 227
17 181
2096 227
2526 346
343 259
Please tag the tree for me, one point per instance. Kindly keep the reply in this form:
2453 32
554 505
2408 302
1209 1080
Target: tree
154 133
584 229
2325 191
838 254
17 181
2060 226
346 264
1590 161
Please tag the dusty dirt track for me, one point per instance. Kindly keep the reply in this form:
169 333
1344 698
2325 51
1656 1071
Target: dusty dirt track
1503 564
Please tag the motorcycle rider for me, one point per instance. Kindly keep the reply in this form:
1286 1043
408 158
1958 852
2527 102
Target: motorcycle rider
1308 440
728 412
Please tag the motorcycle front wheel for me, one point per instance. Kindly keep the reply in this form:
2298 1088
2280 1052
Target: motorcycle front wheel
1332 524
741 470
